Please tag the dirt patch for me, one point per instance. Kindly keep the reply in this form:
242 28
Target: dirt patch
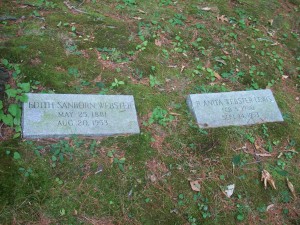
97 221
175 85
157 170
158 141
35 61
107 64
275 213
144 81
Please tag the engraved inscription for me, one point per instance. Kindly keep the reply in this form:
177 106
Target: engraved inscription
61 115
86 118
234 108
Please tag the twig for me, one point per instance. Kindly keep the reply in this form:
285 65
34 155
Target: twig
40 18
28 4
174 114
257 158
263 154
81 3
8 18
67 3
1 130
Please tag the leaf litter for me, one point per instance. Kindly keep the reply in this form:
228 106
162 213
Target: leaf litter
266 177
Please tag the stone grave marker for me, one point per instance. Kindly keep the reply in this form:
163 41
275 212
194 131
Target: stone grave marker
61 115
234 108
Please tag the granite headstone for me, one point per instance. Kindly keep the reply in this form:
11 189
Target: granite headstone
234 108
61 115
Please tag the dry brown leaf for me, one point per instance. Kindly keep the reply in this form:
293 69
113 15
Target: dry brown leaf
75 212
157 42
207 64
222 18
141 11
267 178
276 43
195 185
257 146
217 76
291 187
182 68
137 18
225 52
153 178
269 207
271 22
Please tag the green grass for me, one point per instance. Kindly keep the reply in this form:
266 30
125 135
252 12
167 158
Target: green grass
62 50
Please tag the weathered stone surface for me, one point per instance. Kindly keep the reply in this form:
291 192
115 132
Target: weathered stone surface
234 108
61 115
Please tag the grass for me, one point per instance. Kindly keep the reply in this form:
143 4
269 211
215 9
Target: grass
82 47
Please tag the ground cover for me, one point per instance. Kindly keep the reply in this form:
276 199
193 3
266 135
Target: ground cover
159 51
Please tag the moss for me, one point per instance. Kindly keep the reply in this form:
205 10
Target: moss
47 54
9 177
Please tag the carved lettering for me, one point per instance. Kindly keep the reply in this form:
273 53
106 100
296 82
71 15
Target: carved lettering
41 105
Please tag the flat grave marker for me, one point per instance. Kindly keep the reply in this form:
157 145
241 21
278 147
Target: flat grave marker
234 108
62 115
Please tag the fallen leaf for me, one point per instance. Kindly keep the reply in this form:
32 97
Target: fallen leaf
229 190
141 11
182 68
267 178
207 64
221 61
222 18
225 52
206 8
291 187
195 185
256 144
269 207
217 76
153 178
157 42
75 212
271 22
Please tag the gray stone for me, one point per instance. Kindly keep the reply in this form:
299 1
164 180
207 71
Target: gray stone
61 115
234 108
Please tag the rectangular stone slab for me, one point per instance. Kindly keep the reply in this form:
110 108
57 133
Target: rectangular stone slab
234 108
61 115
